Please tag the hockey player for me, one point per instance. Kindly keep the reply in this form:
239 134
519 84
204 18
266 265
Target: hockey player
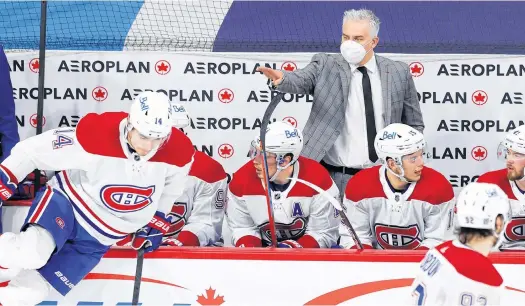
196 217
303 218
458 272
400 204
511 180
118 172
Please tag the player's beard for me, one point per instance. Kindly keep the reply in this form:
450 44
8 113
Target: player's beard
513 175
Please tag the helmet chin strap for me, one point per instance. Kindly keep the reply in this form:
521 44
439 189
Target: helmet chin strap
276 174
279 169
400 176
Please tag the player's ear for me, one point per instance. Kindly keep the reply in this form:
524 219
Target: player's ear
287 159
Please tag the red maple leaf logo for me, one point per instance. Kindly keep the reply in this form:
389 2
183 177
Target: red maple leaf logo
225 150
289 67
34 65
415 69
210 298
162 67
479 153
99 94
34 121
226 96
479 97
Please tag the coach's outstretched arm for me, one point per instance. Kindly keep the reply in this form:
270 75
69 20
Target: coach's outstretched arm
300 81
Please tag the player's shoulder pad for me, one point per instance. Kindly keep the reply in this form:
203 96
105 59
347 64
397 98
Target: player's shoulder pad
100 134
206 168
470 264
313 172
498 177
364 185
246 182
177 151
432 188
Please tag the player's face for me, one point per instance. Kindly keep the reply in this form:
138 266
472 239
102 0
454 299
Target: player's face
499 228
515 164
413 165
142 144
258 163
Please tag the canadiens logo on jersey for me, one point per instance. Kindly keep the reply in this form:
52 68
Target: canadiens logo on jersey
177 218
126 198
293 230
515 230
397 237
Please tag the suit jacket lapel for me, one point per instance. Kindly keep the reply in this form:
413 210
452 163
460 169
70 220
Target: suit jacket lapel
385 88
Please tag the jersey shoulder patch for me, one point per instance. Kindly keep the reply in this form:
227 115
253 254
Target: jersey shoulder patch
498 177
246 182
99 134
206 168
432 188
470 264
364 185
177 151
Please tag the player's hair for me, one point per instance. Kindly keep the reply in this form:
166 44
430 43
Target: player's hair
466 234
364 14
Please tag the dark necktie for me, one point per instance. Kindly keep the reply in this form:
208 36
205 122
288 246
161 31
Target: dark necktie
369 114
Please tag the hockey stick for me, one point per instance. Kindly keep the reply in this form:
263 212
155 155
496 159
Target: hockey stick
266 177
138 277
337 206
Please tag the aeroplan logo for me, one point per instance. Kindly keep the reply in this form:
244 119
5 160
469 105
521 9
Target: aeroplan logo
106 289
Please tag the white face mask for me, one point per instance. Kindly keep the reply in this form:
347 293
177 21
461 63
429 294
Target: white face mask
353 52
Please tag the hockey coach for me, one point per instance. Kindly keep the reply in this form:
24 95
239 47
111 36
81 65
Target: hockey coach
356 93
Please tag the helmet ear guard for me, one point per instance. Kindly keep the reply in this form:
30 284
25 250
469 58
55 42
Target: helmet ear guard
478 206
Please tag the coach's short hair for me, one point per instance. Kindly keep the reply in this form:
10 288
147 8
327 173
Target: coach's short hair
364 14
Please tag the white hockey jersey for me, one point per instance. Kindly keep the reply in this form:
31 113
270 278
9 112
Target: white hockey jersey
422 216
514 236
111 192
454 274
300 212
197 216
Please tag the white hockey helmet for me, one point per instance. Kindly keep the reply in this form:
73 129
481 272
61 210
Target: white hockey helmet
150 115
479 204
515 141
281 139
397 140
181 118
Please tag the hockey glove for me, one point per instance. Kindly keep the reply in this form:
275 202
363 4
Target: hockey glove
150 236
290 244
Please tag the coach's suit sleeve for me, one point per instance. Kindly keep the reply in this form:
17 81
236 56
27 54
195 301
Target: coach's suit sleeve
8 125
302 81
411 110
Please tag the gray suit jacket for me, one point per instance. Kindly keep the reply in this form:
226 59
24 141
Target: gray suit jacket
327 78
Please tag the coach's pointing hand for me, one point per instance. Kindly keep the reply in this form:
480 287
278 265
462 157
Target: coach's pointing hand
275 75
